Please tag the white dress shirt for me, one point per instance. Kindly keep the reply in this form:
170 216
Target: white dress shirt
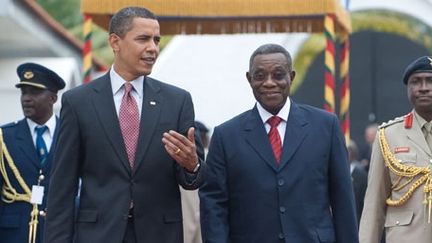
48 135
118 90
283 114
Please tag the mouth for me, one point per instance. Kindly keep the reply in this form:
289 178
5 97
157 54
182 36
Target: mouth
149 60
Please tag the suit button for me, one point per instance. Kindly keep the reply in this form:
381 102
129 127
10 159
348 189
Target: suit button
42 213
397 222
281 182
281 236
282 209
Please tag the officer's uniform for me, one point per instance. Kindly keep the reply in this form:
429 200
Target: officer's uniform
21 168
399 194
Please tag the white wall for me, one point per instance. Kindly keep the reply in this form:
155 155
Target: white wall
213 69
10 105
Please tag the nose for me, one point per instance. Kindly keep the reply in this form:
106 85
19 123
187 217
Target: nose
153 47
268 81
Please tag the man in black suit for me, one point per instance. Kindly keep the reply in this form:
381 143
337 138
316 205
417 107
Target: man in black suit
358 176
130 139
26 153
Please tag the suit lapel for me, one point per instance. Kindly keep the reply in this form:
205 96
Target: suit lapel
296 131
25 143
256 136
151 109
103 102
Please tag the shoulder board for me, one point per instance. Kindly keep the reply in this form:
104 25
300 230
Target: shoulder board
391 122
11 124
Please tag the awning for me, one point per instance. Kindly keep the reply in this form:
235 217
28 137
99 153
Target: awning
229 16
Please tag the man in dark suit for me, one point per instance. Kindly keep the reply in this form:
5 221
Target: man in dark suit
358 176
270 182
130 139
26 156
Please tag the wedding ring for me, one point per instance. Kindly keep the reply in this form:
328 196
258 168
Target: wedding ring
177 151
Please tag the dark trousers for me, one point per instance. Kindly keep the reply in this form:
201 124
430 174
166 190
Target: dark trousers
129 236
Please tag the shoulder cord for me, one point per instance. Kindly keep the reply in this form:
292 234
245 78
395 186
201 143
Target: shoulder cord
9 194
409 172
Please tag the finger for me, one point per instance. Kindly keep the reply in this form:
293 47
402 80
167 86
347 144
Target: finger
191 134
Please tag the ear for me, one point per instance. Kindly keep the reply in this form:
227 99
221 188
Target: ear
113 40
292 75
248 77
54 98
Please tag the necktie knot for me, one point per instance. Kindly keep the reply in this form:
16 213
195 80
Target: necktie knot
40 130
428 127
128 87
274 121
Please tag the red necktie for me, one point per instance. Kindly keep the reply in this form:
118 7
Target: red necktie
129 122
274 136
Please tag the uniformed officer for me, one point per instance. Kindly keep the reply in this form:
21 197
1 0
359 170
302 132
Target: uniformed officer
399 195
26 156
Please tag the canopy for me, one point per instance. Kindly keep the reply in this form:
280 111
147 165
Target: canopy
229 16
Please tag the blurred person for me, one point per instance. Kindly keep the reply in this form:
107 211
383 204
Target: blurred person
131 141
366 149
398 197
278 172
190 199
358 176
26 156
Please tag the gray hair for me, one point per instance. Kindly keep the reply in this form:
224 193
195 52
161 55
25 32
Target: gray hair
270 49
121 22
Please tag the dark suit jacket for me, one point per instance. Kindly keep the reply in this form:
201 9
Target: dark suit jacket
359 180
91 147
15 217
248 198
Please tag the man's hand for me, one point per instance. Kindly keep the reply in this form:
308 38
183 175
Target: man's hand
182 149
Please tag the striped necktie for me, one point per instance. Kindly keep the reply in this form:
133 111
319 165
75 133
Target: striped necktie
274 136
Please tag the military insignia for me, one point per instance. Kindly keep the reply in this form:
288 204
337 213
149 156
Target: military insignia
430 60
401 150
28 75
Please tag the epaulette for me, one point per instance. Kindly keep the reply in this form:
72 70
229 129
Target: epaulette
391 122
10 124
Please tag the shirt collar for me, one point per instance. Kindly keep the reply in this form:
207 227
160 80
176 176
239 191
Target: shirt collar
421 121
51 124
117 83
283 113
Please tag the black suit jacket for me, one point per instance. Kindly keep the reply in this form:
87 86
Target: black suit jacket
359 180
91 147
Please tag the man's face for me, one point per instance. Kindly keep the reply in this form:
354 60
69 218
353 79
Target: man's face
137 51
270 78
419 88
37 104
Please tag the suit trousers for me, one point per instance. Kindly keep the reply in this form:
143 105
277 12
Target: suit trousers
130 236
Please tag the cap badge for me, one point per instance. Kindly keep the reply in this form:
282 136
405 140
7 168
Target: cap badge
430 60
28 75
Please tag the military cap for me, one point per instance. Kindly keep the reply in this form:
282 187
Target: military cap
38 76
420 65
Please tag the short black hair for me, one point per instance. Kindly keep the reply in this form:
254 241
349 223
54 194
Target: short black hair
121 22
270 49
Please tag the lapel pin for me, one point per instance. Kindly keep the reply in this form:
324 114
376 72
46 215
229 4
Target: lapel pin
152 102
